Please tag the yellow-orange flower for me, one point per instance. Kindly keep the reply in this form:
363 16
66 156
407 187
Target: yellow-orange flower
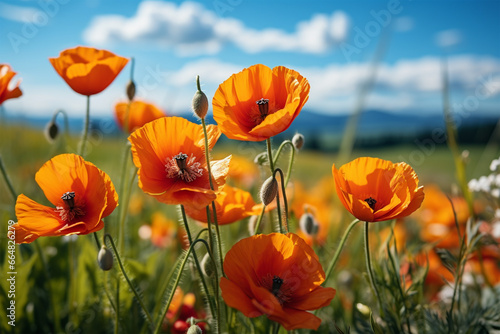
88 71
437 216
258 103
373 189
232 204
162 231
169 155
6 92
82 195
277 275
139 114
313 203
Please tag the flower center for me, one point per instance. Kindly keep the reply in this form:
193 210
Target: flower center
277 283
371 202
71 211
263 107
181 167
278 287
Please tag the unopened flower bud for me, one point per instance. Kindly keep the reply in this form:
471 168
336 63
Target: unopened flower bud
269 190
363 309
200 101
131 90
308 224
51 131
194 329
105 258
207 266
260 159
298 141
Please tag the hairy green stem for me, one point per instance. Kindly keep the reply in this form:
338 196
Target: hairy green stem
176 282
290 162
196 261
136 294
270 155
259 220
369 266
336 256
85 134
283 191
7 179
209 169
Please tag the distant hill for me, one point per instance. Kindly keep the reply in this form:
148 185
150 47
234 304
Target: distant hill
322 131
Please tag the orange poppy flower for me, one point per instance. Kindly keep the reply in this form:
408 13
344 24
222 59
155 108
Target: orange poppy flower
437 216
277 275
139 114
81 193
162 230
232 204
243 172
258 103
88 71
314 204
6 75
169 155
373 189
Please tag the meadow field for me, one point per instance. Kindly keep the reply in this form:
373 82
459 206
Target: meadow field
67 292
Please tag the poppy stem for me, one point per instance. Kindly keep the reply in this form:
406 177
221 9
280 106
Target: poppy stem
278 170
86 125
270 155
259 220
290 162
196 261
369 266
137 296
7 179
276 328
177 280
336 256
207 156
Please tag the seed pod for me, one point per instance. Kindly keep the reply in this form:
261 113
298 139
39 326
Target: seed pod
261 159
105 258
298 141
194 329
269 190
308 224
51 131
131 90
200 101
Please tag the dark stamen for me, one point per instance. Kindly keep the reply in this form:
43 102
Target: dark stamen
263 107
69 199
371 202
277 282
181 161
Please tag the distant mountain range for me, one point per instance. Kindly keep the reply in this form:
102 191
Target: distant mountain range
372 124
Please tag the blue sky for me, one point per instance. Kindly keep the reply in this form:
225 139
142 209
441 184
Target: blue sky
329 42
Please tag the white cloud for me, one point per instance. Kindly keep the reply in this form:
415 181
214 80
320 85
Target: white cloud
21 14
405 85
191 29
